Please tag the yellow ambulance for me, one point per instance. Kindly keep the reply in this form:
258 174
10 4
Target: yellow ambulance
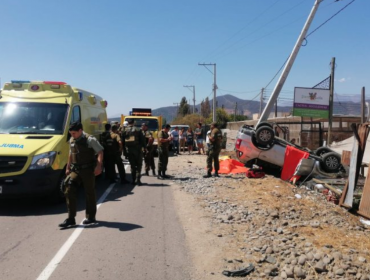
34 120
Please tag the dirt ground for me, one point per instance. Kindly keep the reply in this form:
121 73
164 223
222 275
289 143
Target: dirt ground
215 246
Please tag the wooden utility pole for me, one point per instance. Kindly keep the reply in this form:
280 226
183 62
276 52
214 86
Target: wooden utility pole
331 101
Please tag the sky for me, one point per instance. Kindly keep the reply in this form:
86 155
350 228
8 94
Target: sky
142 53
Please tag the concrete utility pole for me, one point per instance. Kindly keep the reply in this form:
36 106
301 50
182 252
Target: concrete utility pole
193 96
363 105
261 102
330 126
279 85
214 87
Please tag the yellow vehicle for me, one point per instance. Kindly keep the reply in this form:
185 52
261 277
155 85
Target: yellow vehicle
34 120
144 115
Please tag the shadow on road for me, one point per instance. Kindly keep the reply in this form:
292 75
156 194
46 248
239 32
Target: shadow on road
114 225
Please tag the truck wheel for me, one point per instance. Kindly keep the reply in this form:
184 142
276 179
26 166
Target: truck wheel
331 162
322 151
265 135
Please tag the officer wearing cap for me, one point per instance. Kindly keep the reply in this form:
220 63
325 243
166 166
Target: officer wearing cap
82 167
134 142
164 140
149 151
112 154
214 150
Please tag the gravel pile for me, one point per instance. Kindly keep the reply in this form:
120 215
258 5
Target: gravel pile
271 238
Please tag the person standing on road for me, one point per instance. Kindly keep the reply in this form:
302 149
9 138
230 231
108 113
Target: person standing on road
182 136
149 152
175 140
214 150
190 140
199 136
164 140
82 167
115 153
106 141
134 142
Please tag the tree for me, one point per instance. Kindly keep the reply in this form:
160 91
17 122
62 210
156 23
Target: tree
190 119
237 118
205 108
184 108
222 117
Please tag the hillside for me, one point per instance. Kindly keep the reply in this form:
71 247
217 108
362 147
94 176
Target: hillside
248 107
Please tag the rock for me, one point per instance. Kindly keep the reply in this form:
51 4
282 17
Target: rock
362 259
269 250
339 271
320 267
270 259
302 259
315 224
299 272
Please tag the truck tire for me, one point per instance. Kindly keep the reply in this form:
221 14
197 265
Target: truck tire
265 135
331 162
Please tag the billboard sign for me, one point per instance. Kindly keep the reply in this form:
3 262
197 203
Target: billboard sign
311 102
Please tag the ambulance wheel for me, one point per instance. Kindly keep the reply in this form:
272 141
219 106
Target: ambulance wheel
58 194
265 135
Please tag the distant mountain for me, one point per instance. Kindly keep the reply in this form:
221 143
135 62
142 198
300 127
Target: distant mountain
244 107
250 107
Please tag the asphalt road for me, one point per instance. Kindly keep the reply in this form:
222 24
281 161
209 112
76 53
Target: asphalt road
138 236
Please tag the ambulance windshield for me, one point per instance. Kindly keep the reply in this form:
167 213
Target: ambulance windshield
32 118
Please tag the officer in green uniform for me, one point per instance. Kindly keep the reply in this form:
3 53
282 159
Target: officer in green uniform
134 142
149 152
163 144
214 150
112 154
107 142
82 167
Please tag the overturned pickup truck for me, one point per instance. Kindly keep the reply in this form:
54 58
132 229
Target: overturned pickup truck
260 145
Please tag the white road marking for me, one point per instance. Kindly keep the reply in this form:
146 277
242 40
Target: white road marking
53 264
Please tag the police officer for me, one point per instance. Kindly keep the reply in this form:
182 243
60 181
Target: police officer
134 142
112 154
149 151
214 150
164 140
82 167
107 143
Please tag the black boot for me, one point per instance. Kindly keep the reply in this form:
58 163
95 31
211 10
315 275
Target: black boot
160 175
138 182
133 179
147 172
153 172
208 175
216 174
164 175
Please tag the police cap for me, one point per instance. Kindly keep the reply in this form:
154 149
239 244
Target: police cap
166 126
75 126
